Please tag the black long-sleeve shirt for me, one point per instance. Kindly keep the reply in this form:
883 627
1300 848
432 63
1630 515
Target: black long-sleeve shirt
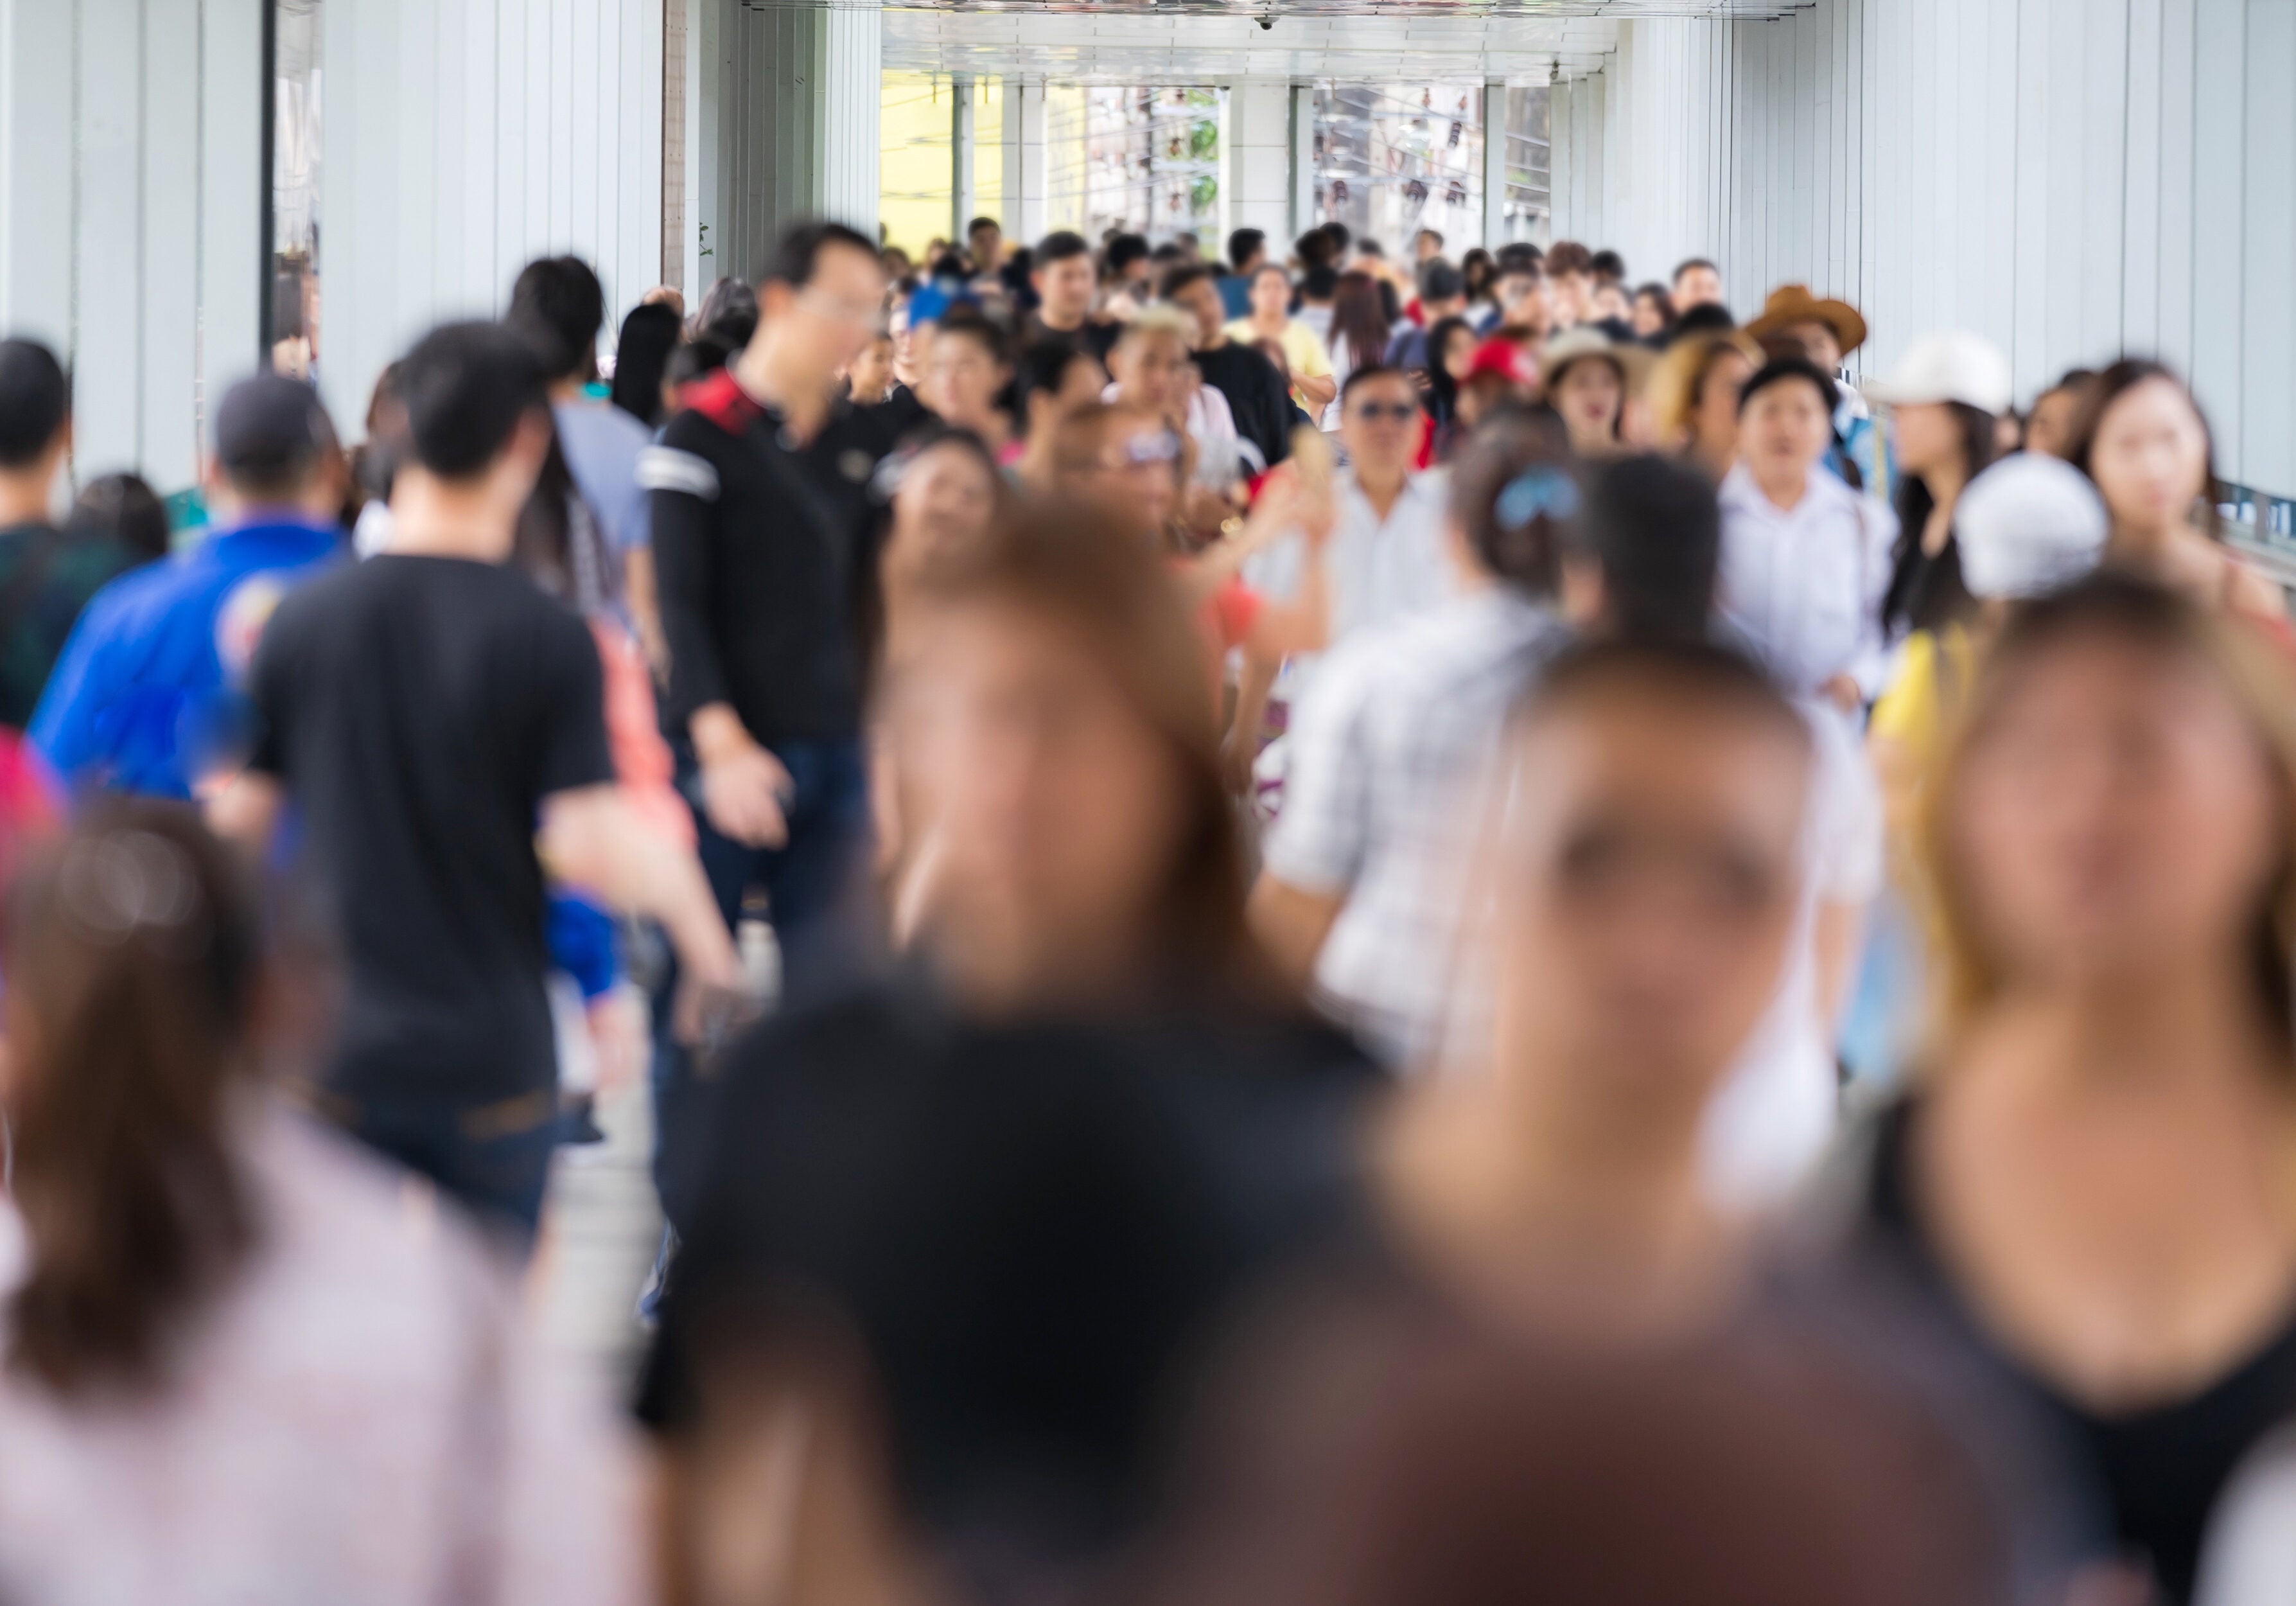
764 562
1256 395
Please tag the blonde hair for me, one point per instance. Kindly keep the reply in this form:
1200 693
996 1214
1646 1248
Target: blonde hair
1968 977
1675 384
1160 318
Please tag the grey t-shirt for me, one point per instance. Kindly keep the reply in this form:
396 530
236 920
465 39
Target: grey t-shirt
601 443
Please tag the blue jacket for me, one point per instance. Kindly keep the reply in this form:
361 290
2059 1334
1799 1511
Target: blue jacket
148 694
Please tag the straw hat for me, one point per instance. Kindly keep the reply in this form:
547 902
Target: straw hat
1791 304
1633 361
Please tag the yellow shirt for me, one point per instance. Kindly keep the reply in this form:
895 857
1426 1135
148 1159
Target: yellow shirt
1910 720
1301 349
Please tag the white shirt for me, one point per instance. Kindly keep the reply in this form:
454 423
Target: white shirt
1776 1112
1381 571
1390 752
1805 584
360 1418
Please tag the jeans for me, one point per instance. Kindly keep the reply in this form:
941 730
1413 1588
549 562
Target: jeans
494 1159
808 883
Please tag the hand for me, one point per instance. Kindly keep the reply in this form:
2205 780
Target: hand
746 793
713 1004
1844 693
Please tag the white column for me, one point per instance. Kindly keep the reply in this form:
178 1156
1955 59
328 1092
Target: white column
1027 202
1495 162
964 198
1009 140
1258 160
1303 159
852 88
37 112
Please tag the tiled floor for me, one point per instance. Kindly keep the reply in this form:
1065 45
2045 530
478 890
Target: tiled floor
601 1233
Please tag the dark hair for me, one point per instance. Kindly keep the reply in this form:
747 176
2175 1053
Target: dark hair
1708 317
1358 313
1567 256
1479 270
1322 282
796 256
980 223
641 356
1442 388
1337 233
1367 246
558 306
1687 263
1780 369
1438 281
1125 249
703 354
1179 276
1369 373
1044 365
1435 235
1944 599
1059 246
1520 545
124 509
968 322
2107 388
1244 245
728 310
1655 530
132 958
1608 266
1520 256
1316 249
558 542
1122 599
35 401
466 387
1664 300
1675 669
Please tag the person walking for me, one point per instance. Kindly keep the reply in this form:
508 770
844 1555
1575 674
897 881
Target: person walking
1826 331
423 711
1944 400
1254 393
1313 386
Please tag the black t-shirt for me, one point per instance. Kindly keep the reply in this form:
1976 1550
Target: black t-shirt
1092 335
1032 1231
2155 1474
1256 395
418 710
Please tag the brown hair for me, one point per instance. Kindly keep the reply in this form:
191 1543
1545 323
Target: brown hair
2104 390
1520 540
2110 605
1060 559
1678 381
132 963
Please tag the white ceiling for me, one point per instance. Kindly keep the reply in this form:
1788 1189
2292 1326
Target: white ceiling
1200 41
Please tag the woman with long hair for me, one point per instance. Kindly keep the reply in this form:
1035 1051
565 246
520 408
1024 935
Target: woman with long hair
1360 330
2143 441
209 1299
2090 1190
1946 401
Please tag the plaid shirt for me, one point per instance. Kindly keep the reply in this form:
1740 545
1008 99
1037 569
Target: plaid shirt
1388 754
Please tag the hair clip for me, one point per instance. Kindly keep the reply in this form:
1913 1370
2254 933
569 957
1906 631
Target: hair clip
1538 490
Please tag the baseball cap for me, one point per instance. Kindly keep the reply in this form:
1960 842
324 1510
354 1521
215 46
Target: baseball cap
2028 524
1504 358
270 427
1953 367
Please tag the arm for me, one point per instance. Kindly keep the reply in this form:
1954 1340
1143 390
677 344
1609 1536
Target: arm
246 812
1317 390
645 610
65 727
1292 924
1303 624
1834 943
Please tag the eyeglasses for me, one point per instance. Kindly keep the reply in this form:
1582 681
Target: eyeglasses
1372 412
1142 451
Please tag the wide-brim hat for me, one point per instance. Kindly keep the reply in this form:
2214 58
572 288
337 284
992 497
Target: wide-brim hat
1633 360
1791 304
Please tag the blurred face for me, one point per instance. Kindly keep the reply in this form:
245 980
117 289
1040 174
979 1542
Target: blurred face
960 381
1570 296
1271 295
2151 459
944 500
1137 471
1716 416
1057 803
1065 289
2050 429
1652 880
1825 348
1081 383
1928 436
871 374
988 247
1588 396
1152 371
1649 318
825 324
1378 424
1201 301
1458 354
1427 246
1697 287
2115 816
1611 301
1783 432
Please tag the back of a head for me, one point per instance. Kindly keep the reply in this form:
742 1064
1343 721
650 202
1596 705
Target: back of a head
729 311
559 306
466 387
1438 281
272 435
1514 493
1608 266
35 401
131 954
1567 256
650 334
1518 256
1708 317
1654 528
124 510
1244 244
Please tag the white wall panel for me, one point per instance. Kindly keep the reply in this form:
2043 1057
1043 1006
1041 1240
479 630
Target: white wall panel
2071 179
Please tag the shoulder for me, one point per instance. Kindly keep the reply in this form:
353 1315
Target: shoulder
715 406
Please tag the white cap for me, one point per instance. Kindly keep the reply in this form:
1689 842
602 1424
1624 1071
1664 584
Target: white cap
1954 367
2028 524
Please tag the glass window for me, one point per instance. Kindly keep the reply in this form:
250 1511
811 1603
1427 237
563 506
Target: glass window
1143 160
1393 159
292 308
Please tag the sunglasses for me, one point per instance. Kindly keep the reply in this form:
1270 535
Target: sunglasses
1148 449
1374 411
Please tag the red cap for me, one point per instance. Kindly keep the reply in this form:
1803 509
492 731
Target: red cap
1504 358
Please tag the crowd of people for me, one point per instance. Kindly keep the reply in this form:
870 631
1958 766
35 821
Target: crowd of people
1458 932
